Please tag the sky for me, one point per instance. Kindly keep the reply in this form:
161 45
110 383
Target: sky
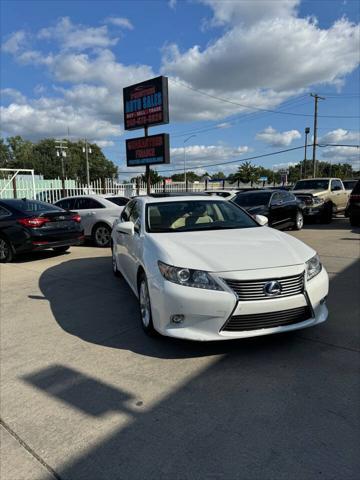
240 75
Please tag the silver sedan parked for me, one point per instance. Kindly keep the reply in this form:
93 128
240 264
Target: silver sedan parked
98 214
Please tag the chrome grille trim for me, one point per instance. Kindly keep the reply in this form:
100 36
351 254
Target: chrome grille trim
247 290
257 321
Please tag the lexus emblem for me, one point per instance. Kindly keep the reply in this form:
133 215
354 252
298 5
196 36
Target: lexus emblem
273 288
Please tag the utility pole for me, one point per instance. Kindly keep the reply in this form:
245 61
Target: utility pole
87 150
191 136
316 98
307 131
61 147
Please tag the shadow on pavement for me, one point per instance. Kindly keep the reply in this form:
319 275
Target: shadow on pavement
280 407
89 302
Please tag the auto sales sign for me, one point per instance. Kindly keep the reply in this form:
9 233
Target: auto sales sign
146 103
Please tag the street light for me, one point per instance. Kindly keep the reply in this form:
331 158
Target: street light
87 150
191 136
61 147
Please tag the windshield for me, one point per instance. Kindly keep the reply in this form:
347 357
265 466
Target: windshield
312 185
252 199
33 206
193 215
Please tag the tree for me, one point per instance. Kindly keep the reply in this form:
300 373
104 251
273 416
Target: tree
5 154
220 175
154 177
247 173
42 157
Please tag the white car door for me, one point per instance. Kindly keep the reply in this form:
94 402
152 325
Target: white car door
135 244
88 209
122 242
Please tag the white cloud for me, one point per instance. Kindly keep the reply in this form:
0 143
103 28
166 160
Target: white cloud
248 11
76 36
52 118
340 136
15 42
278 139
104 143
270 54
342 155
283 166
120 22
13 94
172 3
198 155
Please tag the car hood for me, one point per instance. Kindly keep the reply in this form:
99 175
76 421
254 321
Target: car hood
230 250
310 191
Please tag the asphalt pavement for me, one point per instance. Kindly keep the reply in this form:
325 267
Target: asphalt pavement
86 395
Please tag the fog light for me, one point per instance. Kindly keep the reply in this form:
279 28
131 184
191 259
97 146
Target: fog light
177 318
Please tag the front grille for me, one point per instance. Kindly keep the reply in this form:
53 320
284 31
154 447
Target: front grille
246 290
307 199
257 321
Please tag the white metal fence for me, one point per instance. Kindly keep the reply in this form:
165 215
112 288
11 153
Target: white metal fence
53 190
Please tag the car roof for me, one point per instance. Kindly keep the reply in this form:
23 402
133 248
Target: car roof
252 192
84 195
149 199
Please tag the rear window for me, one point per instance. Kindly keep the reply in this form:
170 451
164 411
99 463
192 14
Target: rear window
120 201
33 206
357 188
252 199
349 184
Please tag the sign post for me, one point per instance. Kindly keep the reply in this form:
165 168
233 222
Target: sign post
146 104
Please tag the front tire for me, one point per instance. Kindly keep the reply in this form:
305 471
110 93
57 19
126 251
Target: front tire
354 220
61 249
327 214
6 251
115 269
299 221
145 307
101 235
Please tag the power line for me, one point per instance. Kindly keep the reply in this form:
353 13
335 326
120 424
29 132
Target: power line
225 100
230 161
249 158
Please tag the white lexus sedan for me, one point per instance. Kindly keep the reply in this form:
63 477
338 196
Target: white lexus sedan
204 269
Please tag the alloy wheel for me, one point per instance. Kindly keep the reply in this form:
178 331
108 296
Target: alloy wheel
144 304
299 221
4 249
102 236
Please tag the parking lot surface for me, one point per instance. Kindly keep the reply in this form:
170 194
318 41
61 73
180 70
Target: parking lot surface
86 395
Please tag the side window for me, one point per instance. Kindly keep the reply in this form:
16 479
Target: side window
85 203
284 197
336 185
67 204
4 213
125 214
275 199
135 213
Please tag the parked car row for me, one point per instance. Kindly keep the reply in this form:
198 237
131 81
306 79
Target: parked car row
203 267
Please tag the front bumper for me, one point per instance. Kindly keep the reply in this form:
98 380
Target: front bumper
206 311
313 210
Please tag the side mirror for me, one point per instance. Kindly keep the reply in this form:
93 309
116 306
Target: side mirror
126 228
261 220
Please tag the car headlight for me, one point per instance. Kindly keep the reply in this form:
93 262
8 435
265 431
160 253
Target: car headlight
188 277
317 201
313 267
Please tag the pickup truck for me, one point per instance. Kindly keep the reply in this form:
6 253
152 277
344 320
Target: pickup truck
322 197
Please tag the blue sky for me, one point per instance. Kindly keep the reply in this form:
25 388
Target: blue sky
64 64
